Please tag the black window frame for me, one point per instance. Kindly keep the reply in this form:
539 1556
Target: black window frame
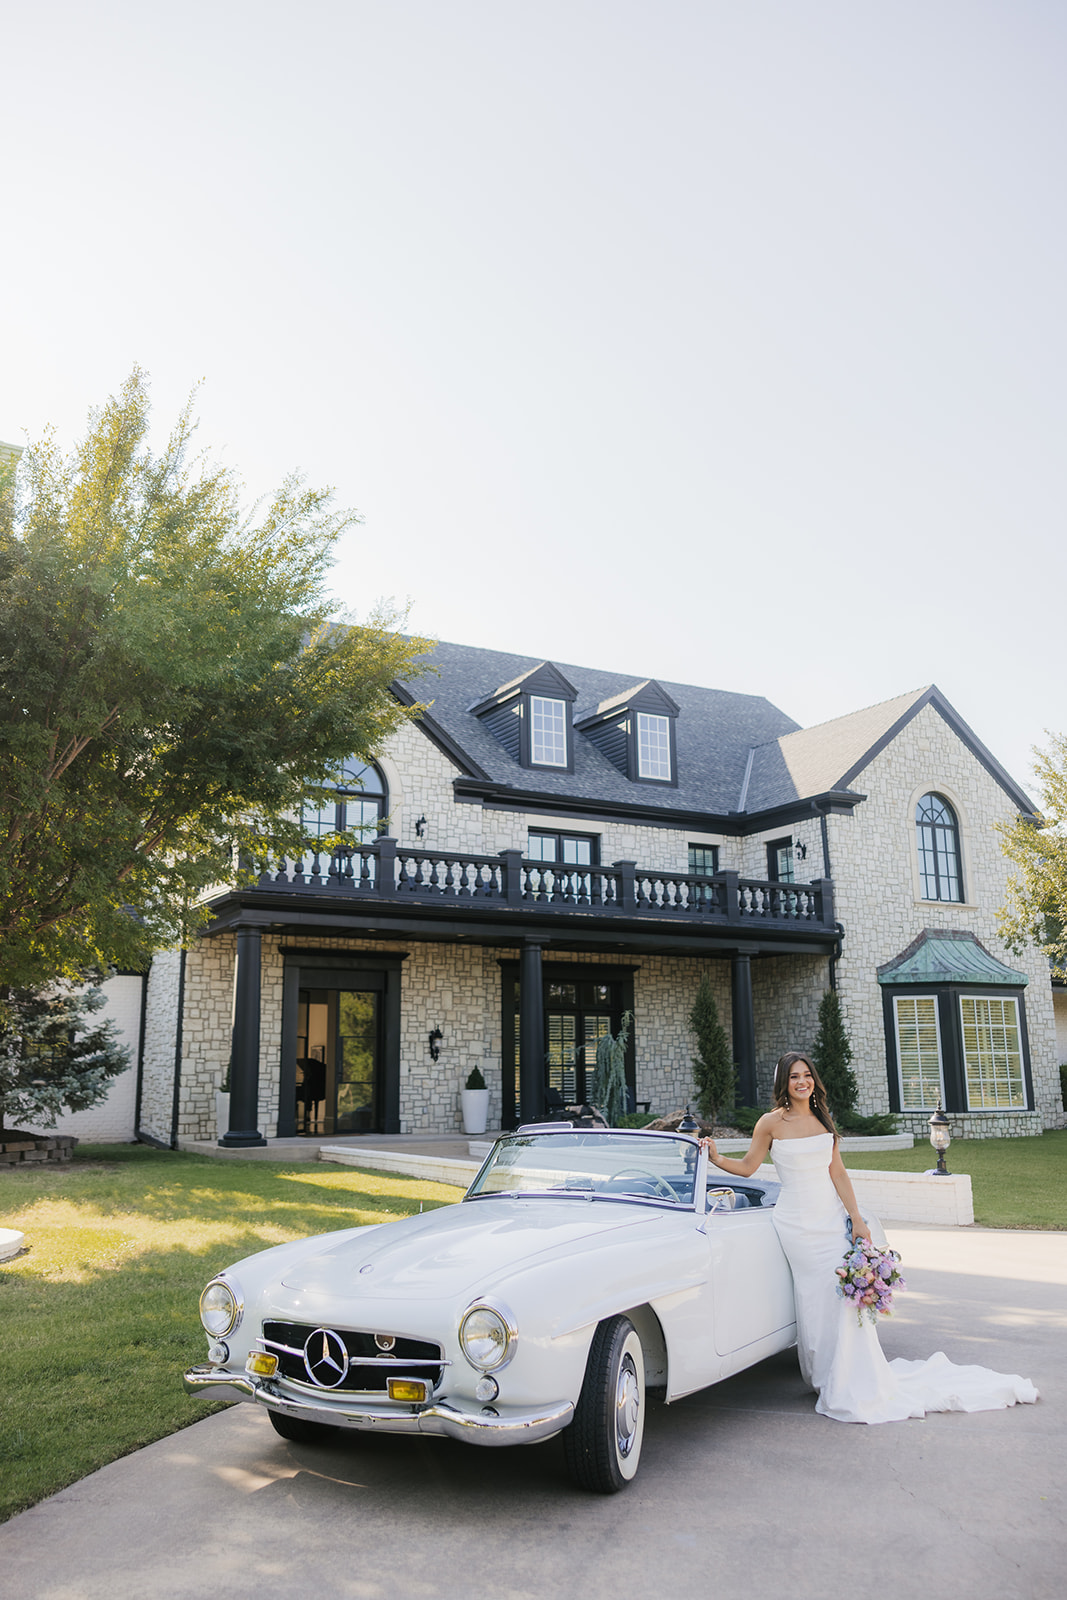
703 871
950 1028
786 842
953 829
592 839
344 794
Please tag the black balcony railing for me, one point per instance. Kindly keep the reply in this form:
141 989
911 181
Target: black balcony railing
385 871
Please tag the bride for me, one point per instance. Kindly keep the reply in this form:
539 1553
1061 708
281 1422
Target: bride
840 1355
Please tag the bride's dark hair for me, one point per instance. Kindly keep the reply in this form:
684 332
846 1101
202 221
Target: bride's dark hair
818 1102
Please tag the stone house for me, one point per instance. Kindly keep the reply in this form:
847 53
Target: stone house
552 846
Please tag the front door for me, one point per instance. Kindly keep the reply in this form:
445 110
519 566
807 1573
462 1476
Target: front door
577 1015
338 1061
580 1007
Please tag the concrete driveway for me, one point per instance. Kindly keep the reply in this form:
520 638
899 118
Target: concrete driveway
742 1490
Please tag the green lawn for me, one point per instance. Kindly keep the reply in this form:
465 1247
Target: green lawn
1017 1183
100 1315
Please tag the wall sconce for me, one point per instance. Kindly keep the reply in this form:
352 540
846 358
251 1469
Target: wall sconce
435 1044
800 851
420 828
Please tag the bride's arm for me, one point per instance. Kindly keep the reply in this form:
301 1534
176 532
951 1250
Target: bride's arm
843 1184
753 1157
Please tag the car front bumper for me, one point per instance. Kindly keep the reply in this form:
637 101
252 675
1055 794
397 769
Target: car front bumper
476 1424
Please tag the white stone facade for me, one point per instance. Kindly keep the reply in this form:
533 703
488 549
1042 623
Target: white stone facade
457 986
875 867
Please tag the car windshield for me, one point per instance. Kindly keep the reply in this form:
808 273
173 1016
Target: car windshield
592 1164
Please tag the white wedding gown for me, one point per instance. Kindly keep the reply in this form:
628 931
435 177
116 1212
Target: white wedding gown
839 1357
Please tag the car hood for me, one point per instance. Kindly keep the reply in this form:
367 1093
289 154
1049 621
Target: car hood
458 1248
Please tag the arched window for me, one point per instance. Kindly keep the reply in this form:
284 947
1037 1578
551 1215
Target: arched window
357 809
938 839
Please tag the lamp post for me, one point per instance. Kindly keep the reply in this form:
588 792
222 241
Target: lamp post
940 1138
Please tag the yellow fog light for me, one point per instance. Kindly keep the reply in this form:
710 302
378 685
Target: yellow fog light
261 1365
411 1389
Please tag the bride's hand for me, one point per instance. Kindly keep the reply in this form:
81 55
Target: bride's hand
710 1146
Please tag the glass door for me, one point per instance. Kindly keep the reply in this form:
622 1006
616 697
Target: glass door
338 1061
577 1015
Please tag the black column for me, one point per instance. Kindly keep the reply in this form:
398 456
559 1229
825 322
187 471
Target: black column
531 1035
744 1028
244 1048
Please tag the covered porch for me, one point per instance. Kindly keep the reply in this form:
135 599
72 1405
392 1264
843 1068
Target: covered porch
533 916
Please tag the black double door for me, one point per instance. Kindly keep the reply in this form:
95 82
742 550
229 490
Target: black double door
580 1007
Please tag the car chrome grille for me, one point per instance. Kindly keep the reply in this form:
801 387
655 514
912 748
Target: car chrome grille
369 1368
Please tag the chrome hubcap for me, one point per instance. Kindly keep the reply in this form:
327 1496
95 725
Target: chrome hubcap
627 1406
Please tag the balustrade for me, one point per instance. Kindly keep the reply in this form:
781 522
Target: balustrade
386 871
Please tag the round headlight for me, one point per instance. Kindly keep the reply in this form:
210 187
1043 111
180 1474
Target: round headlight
220 1309
486 1338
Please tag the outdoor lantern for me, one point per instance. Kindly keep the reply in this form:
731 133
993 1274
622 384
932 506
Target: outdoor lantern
689 1123
435 1044
940 1138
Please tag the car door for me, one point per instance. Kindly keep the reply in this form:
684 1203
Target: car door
749 1278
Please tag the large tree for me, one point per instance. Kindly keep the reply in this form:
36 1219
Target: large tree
1036 910
172 686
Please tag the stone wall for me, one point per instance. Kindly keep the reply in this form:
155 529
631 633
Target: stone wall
975 1125
875 869
160 1037
786 991
20 1147
207 1027
420 785
458 989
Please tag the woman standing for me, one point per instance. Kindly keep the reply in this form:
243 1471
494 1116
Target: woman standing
840 1355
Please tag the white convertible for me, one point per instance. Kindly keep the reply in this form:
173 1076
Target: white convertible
583 1268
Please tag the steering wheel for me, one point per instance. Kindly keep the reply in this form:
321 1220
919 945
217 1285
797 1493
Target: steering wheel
659 1184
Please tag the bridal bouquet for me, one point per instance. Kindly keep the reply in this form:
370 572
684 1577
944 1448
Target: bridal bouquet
867 1277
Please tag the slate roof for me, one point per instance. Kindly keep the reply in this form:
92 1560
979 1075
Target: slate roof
737 754
715 732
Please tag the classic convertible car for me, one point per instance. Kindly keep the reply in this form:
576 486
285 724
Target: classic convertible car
582 1269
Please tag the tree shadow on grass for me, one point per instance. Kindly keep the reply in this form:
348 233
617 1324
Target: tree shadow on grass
170 1187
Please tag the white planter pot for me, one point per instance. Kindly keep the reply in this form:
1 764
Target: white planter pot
222 1113
474 1104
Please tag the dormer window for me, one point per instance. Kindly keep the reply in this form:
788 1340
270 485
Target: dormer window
653 747
635 731
531 718
548 732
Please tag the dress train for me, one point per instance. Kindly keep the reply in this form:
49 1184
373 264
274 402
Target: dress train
839 1356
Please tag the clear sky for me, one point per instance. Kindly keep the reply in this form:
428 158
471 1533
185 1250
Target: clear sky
715 342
